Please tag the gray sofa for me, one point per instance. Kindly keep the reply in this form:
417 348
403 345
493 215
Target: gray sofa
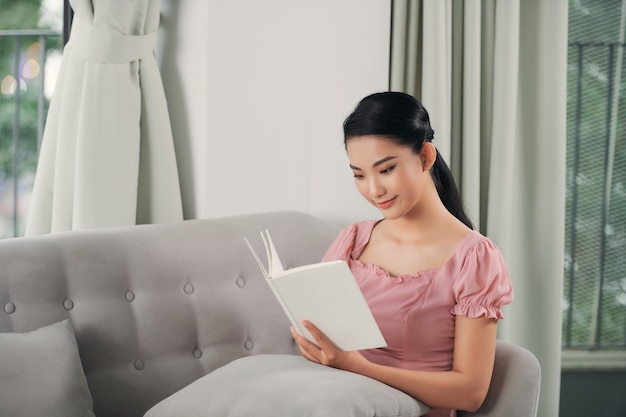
112 322
155 307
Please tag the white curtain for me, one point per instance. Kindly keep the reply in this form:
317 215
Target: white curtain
493 75
107 155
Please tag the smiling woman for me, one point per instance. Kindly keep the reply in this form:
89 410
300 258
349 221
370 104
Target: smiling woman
434 285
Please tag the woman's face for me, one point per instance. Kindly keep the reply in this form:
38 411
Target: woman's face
389 176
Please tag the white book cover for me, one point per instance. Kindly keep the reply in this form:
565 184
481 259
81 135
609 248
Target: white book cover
326 294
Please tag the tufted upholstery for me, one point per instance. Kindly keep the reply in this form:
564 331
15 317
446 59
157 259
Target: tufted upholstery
155 307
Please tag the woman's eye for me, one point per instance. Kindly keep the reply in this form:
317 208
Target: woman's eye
387 170
358 176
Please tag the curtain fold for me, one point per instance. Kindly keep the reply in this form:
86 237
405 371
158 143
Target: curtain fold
437 69
107 156
496 69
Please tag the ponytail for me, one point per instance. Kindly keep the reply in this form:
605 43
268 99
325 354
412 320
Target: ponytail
448 191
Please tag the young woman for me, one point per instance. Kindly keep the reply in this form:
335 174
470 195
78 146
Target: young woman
434 285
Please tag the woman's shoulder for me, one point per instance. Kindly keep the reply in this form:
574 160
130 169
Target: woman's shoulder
363 226
351 238
476 244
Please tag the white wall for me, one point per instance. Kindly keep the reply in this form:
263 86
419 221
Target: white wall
258 90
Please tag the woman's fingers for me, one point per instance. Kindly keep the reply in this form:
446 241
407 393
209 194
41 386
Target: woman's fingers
328 352
307 349
308 356
322 340
325 352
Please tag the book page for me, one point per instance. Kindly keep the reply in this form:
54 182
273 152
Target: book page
328 296
275 267
257 259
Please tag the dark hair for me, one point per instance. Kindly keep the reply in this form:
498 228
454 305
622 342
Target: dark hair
403 119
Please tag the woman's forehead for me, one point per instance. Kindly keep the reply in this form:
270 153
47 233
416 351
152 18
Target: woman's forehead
373 144
366 151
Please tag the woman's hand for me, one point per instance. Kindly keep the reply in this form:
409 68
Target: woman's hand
325 352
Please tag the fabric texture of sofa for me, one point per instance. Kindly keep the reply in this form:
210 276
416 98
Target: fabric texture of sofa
112 322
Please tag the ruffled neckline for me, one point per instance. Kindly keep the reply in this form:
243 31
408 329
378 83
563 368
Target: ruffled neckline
429 272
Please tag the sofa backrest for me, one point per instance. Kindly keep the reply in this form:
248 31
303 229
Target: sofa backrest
155 307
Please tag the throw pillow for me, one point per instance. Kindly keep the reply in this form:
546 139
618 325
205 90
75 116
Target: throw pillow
41 374
286 386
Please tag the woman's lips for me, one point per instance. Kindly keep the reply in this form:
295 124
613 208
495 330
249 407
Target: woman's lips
387 203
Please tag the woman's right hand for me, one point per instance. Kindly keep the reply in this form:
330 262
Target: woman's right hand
325 352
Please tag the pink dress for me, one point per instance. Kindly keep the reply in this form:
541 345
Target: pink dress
416 312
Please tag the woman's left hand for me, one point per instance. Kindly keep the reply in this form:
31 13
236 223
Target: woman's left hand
325 352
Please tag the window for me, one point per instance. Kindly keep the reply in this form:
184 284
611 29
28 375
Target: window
31 40
594 310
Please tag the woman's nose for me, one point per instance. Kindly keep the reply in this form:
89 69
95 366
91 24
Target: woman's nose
375 188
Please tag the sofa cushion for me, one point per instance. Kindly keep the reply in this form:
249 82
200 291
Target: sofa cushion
286 385
41 374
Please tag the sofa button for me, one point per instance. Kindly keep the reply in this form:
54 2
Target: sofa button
188 288
9 308
248 344
139 365
129 296
240 282
68 304
197 353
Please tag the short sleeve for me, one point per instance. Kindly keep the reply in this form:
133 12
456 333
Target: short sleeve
482 285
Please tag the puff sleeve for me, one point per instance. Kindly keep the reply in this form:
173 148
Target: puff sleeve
482 285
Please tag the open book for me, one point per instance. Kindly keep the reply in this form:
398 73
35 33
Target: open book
327 295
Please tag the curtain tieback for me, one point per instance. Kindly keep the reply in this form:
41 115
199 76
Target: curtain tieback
102 45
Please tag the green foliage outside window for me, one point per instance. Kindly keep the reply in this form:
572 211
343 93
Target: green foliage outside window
22 103
19 14
595 230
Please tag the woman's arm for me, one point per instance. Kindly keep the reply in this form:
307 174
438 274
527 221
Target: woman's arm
462 388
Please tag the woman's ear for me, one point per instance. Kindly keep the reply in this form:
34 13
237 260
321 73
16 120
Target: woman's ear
428 154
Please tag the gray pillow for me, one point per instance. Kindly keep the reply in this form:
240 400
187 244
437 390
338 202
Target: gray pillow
41 374
286 386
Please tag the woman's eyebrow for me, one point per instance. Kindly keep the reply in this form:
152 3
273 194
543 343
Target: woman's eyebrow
377 163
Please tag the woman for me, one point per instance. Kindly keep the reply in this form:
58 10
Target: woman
434 285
